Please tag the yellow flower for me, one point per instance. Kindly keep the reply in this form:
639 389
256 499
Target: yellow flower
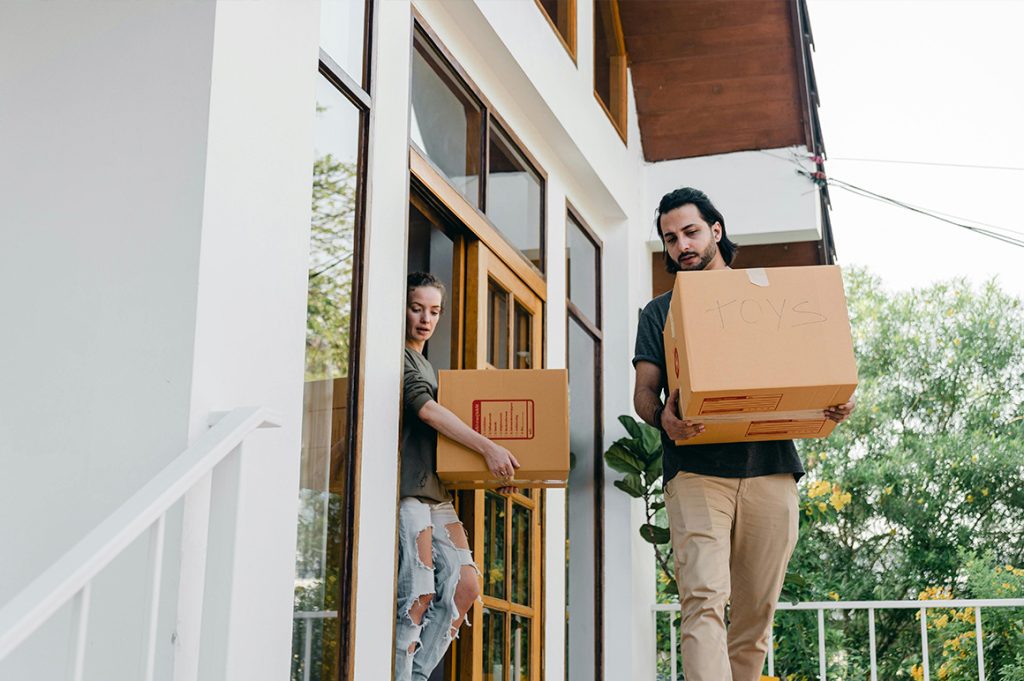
941 622
917 672
888 490
839 499
822 506
1009 568
984 491
833 595
970 498
974 458
874 409
819 488
956 342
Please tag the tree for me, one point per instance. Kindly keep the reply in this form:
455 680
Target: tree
920 493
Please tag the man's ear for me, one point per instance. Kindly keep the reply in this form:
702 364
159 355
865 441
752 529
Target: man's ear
716 231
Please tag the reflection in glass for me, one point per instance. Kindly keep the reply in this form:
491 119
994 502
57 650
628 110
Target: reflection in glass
519 649
494 646
325 436
562 16
494 545
610 61
520 571
342 27
580 508
431 250
497 326
514 194
581 257
522 333
445 120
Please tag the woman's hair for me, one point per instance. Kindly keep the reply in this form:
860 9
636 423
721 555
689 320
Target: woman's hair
708 213
419 279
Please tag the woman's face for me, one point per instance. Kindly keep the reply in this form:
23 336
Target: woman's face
421 313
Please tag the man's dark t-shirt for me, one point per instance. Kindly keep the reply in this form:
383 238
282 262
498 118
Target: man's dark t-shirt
724 460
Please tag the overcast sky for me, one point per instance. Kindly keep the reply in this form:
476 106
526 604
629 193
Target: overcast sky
924 80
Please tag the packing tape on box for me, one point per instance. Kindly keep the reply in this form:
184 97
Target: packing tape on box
757 276
799 415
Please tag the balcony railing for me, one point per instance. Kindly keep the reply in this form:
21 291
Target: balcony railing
671 609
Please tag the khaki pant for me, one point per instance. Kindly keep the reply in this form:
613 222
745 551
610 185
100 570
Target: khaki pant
732 539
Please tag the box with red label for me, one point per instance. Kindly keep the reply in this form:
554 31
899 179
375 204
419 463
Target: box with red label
758 354
524 410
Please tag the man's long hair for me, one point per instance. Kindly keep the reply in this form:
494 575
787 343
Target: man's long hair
708 213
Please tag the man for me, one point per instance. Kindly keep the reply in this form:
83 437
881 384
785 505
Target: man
733 507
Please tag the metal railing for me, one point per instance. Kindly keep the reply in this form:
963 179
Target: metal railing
205 475
870 606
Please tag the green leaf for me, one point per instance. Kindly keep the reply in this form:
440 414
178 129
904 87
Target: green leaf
631 425
654 534
657 505
632 486
620 459
628 490
651 439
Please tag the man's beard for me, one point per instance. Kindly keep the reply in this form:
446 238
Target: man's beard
705 259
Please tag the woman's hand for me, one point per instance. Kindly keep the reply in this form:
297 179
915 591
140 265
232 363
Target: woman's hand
500 462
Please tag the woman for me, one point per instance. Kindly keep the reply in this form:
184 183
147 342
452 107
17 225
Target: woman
437 579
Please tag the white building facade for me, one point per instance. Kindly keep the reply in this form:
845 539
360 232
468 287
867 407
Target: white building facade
162 262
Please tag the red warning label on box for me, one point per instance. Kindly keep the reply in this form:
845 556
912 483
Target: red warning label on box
784 427
504 419
740 404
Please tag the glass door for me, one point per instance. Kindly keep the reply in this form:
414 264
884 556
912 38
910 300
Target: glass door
503 330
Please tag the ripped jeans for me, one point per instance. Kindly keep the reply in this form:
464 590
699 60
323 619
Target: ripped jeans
430 639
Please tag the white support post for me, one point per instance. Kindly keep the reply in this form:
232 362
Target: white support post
189 619
924 644
225 498
81 623
822 663
771 649
978 642
872 644
307 649
654 614
674 644
156 561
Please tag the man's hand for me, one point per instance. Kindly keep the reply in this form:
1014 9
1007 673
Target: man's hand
839 413
673 426
500 462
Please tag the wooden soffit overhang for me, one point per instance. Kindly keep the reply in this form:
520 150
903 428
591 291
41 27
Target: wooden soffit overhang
717 76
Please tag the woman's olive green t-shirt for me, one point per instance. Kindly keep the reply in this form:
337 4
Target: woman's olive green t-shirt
419 441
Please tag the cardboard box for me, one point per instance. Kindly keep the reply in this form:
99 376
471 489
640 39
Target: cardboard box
759 354
524 410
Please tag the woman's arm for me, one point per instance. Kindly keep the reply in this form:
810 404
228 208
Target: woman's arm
500 461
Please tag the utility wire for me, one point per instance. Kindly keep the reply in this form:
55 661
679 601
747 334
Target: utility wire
866 193
928 163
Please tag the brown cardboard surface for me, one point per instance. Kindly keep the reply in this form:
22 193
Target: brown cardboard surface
523 410
748 348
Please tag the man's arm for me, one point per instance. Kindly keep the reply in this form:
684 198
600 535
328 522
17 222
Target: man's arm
647 403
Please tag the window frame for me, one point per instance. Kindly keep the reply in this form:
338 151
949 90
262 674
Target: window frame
358 94
618 109
489 233
569 42
594 331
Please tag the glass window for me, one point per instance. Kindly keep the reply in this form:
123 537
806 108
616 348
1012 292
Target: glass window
515 197
446 122
432 250
519 644
581 257
562 14
494 645
523 334
324 459
610 62
342 34
494 545
520 571
497 326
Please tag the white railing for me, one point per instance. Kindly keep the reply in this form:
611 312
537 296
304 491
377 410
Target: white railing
871 607
307 617
206 476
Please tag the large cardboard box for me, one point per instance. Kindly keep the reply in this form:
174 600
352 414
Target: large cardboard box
524 410
759 354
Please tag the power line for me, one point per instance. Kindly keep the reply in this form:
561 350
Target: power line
868 194
928 163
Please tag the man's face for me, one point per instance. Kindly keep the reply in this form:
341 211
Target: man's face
690 242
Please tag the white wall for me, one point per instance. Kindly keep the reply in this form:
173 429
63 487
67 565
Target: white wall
155 159
762 197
